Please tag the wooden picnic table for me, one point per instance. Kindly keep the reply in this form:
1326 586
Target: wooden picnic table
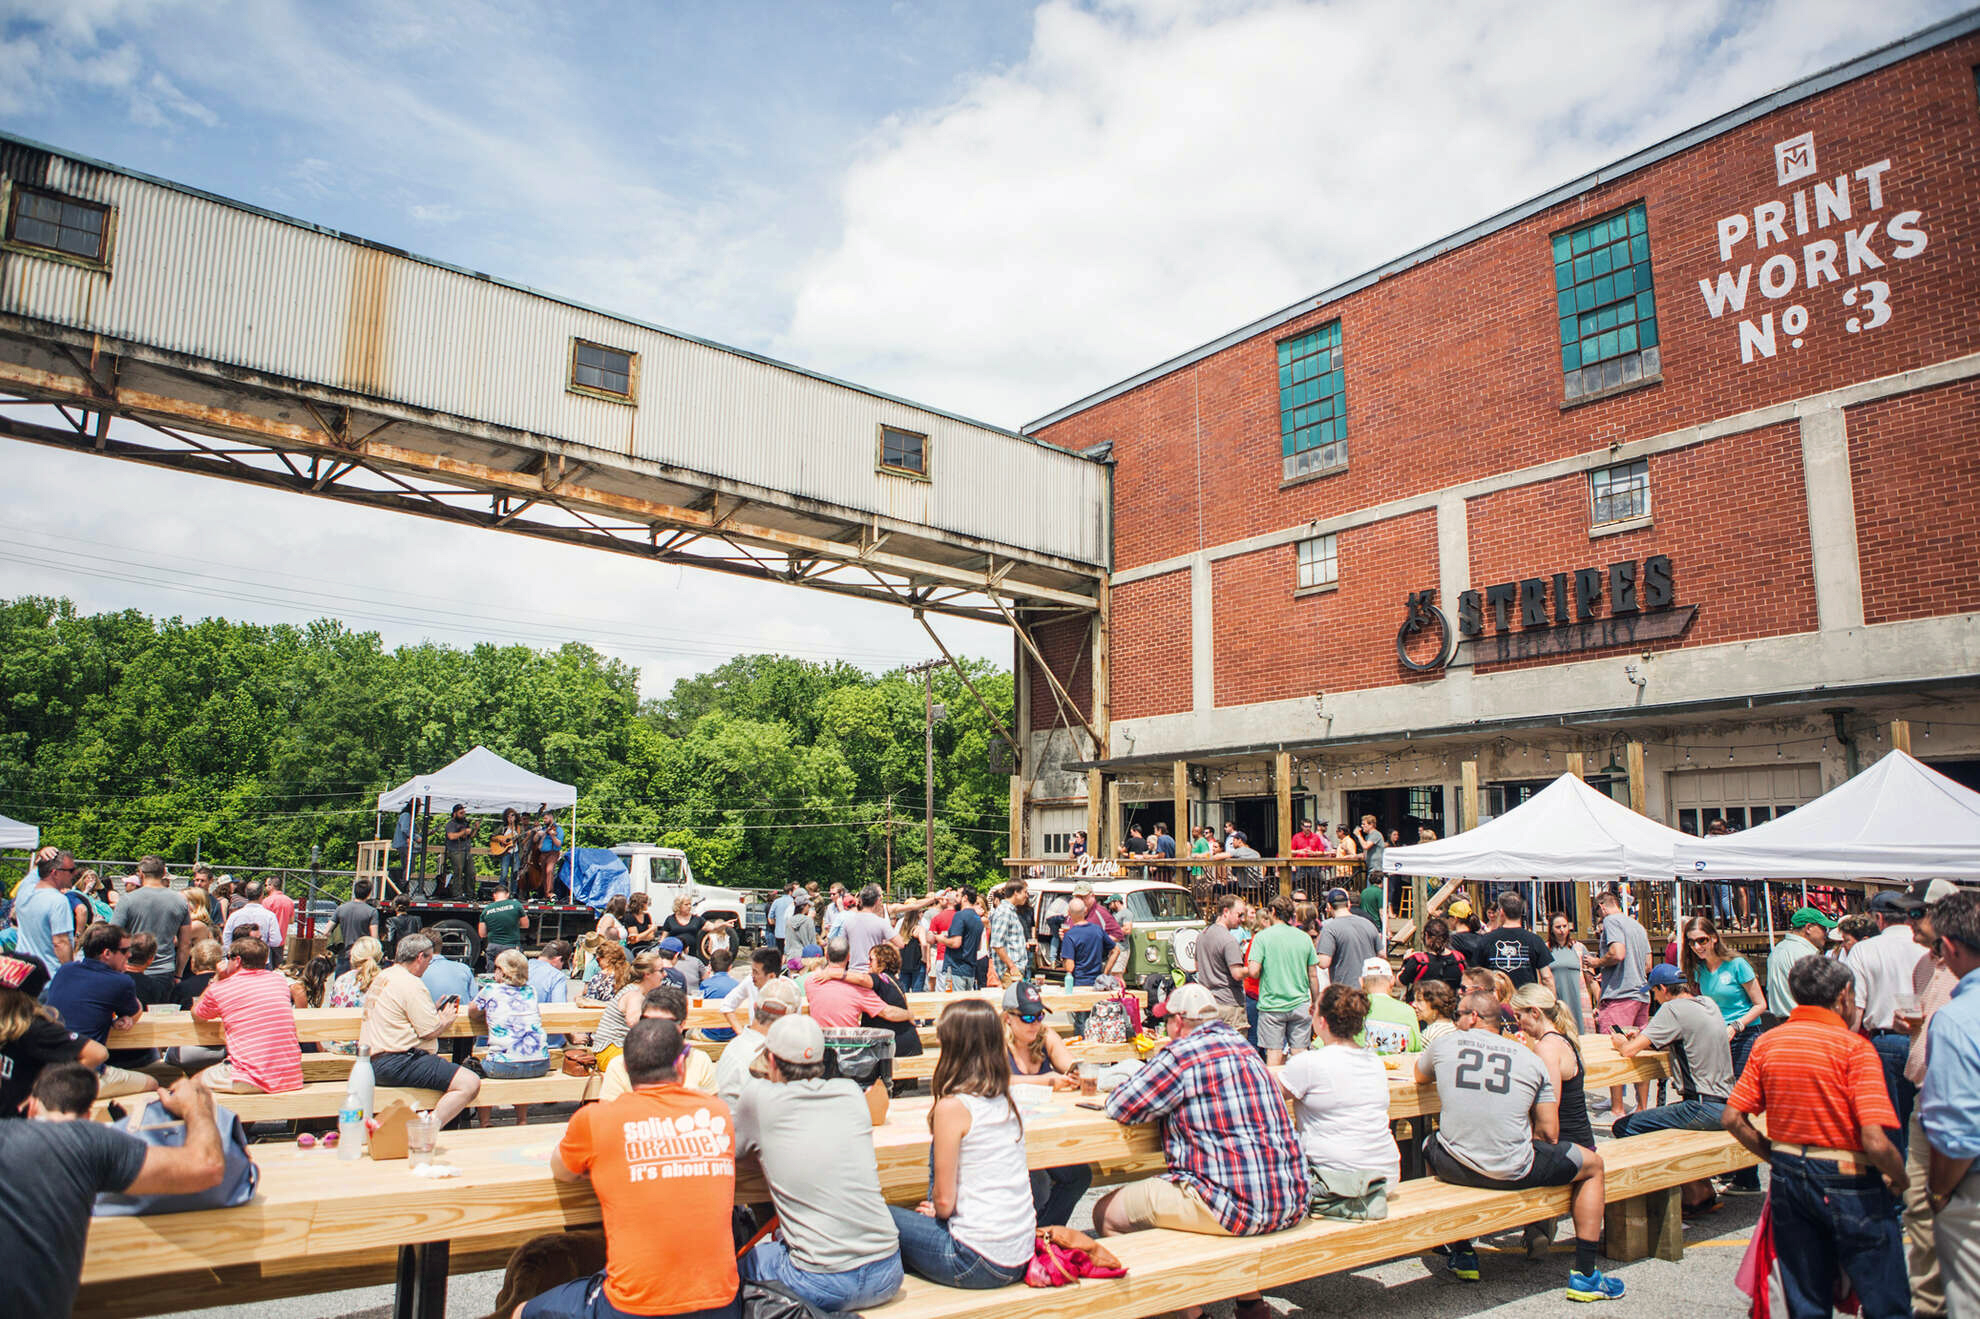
315 1216
160 1030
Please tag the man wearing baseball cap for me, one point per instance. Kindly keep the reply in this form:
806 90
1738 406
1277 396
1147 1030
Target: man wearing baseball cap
1808 930
1701 1064
1391 1026
1236 1165
1347 941
776 998
838 1248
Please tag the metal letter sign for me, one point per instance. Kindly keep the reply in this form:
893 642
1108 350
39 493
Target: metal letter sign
1552 616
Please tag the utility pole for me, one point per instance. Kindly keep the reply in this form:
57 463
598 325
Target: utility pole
890 845
927 671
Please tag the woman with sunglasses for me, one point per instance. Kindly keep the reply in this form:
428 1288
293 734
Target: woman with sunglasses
1728 980
1039 1057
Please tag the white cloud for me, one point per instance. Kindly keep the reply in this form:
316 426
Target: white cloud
1151 176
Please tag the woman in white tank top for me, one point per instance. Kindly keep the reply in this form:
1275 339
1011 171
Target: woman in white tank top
976 1229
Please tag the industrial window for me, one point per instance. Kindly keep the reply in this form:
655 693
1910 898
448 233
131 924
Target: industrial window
903 451
1318 565
1620 493
607 372
52 223
1058 844
1312 403
1607 311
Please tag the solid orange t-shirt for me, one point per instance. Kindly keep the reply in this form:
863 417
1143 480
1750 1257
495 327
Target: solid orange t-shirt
662 1160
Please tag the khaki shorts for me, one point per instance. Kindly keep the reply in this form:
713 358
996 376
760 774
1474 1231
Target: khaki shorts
1159 1202
118 1082
1233 1017
222 1079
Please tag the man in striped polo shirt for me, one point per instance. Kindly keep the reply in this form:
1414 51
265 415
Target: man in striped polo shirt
1837 1177
252 1005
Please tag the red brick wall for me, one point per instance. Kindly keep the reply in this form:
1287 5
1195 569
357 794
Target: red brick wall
1749 569
1453 369
1066 648
1151 641
1271 645
1915 462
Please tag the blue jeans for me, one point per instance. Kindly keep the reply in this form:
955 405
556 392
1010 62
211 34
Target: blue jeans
1055 1192
916 982
854 1289
1685 1115
1824 1218
1893 1048
959 978
1724 909
584 1298
930 1252
509 865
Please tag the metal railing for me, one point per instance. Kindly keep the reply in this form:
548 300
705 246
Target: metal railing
1305 879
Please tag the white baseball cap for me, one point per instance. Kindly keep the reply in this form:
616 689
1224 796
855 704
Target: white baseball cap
1191 1002
1377 966
796 1040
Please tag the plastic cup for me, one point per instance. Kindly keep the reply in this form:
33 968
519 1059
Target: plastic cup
419 1139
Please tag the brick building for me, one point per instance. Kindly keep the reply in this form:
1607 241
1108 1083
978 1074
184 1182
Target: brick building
1679 460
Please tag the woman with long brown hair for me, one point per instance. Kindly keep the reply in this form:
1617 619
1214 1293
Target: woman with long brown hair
610 974
977 1226
1728 980
1039 1057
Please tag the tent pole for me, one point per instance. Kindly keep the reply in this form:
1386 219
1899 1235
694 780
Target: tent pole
1767 898
1677 920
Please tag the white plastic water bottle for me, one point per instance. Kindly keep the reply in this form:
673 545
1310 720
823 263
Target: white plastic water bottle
363 1085
350 1131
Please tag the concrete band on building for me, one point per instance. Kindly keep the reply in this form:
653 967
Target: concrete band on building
1681 456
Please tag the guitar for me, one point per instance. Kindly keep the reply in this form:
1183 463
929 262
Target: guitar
500 844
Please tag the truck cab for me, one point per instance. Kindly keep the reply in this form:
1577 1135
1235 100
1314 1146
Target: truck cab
664 874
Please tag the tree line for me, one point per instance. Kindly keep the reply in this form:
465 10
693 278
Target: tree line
246 743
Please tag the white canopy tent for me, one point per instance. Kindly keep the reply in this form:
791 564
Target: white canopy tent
483 782
1897 820
1567 830
15 836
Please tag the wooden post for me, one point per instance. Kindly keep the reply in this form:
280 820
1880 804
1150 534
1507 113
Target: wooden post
1901 735
1282 780
1577 765
1095 803
1468 796
1017 817
1647 1225
1584 906
1637 787
1115 834
1180 825
1419 898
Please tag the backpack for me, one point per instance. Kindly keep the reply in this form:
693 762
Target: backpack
151 1123
1108 1023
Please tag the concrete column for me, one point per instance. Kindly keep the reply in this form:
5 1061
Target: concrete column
1453 580
1831 519
1202 637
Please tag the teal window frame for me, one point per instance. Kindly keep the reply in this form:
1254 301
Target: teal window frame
1312 402
1605 302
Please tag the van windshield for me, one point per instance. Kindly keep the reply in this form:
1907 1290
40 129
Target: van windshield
1160 904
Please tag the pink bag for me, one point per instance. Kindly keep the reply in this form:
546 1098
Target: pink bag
1062 1255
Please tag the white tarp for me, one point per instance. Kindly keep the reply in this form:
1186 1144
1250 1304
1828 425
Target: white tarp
1567 830
1896 820
15 835
483 782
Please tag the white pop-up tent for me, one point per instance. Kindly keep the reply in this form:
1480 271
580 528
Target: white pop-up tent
1567 830
483 782
1898 819
15 836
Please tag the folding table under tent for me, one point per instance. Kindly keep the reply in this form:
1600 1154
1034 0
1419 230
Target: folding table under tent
15 836
1897 820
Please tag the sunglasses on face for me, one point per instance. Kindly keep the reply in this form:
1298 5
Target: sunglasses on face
1703 938
1029 1018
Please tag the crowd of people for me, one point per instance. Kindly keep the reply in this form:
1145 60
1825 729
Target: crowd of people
1858 1053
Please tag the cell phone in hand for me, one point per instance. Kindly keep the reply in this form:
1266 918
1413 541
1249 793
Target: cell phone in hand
451 1001
1098 1108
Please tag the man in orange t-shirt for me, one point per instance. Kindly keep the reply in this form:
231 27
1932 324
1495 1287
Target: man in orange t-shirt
659 1155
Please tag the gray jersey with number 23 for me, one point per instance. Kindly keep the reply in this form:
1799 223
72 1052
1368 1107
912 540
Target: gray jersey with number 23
1487 1086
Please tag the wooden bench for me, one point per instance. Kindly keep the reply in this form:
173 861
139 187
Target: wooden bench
321 1099
1168 1270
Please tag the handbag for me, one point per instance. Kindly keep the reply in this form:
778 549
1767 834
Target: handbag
154 1124
1349 1196
578 1061
1064 1255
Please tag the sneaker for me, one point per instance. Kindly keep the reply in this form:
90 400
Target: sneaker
1538 1238
1464 1265
1712 1206
1596 1286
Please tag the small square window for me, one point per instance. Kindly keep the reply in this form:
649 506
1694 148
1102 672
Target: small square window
1620 493
903 451
65 226
1318 565
607 372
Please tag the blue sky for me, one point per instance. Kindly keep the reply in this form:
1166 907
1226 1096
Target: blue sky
991 208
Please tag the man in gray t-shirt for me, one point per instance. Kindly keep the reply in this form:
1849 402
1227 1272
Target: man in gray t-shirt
1346 942
1219 960
1694 1032
160 912
840 1250
1499 1127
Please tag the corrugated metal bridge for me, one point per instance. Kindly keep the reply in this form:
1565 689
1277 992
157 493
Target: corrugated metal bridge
259 348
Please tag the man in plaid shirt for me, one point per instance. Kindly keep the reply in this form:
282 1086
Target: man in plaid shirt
1008 956
1236 1166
